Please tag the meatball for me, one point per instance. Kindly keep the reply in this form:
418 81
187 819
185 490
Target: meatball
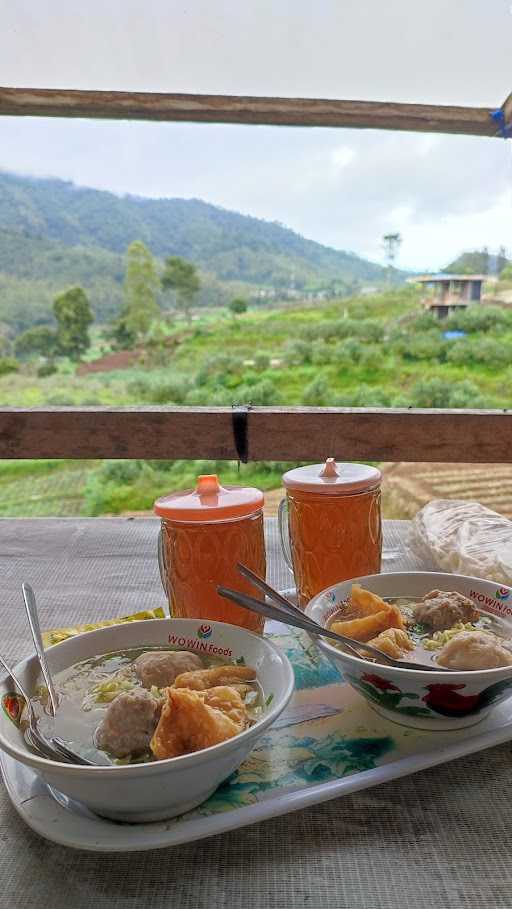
474 650
442 610
160 667
129 723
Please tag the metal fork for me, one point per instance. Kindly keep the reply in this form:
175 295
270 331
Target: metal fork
53 747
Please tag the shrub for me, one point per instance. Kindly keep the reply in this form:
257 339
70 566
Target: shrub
478 318
321 353
421 347
219 366
425 321
46 369
238 306
466 394
487 351
7 365
172 390
347 352
437 392
370 356
262 394
37 340
119 471
261 360
433 392
317 393
60 399
364 396
296 352
369 329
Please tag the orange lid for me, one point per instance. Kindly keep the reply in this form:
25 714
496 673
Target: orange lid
210 501
333 478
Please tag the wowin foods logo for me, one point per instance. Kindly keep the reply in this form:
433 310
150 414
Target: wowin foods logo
204 632
198 643
502 593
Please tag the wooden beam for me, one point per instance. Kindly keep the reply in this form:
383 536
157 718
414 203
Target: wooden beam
38 102
274 434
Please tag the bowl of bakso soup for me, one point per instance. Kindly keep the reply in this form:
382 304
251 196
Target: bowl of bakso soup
167 709
459 626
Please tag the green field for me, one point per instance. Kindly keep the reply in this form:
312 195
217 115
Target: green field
376 351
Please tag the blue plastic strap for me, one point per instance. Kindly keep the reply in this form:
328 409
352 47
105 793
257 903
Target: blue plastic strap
505 129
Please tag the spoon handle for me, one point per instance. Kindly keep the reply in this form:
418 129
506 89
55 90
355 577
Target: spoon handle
272 594
280 614
33 620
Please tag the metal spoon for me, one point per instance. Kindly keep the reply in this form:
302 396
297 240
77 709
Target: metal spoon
52 747
290 618
33 619
349 643
33 736
281 600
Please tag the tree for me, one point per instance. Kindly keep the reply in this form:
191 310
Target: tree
140 290
501 260
74 316
38 340
181 277
506 273
121 336
238 306
392 243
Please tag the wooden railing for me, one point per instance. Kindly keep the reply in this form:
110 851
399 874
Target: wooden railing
270 434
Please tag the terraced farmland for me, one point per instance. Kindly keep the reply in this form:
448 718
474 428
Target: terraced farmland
42 488
409 486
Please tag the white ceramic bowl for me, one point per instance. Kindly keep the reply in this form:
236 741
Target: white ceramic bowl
163 789
426 700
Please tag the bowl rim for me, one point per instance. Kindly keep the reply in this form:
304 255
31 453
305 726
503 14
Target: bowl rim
181 761
456 674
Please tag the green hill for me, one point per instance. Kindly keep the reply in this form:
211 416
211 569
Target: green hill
53 233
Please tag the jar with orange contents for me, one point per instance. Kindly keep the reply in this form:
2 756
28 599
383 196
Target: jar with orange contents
333 531
204 533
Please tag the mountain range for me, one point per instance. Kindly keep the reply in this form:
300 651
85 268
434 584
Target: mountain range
54 233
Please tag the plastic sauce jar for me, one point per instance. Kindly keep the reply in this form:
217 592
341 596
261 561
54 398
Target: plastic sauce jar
334 527
204 533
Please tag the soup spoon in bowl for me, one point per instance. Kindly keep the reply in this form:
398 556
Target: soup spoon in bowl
33 620
291 615
51 747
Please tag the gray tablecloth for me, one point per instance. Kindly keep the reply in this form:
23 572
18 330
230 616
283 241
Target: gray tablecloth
440 838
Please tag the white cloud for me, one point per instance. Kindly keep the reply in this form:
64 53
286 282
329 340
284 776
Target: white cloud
343 156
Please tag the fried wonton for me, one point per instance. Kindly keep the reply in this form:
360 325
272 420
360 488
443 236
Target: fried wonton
393 641
201 679
369 617
192 720
364 602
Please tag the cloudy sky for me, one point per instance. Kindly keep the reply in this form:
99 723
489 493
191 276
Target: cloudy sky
341 187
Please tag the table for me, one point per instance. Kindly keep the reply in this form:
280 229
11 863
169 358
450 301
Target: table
436 839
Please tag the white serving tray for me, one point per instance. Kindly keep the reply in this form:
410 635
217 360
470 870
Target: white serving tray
329 742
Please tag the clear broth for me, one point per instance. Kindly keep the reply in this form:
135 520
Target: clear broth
80 711
419 633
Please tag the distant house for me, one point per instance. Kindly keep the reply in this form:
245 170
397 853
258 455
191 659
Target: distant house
446 293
